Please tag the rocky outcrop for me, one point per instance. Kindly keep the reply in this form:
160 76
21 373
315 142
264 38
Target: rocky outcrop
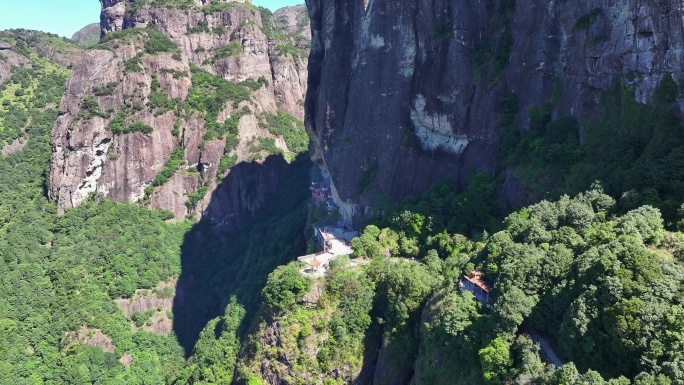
14 147
10 59
203 38
88 157
285 340
88 35
145 299
294 21
112 15
406 93
229 40
290 76
116 16
158 301
91 337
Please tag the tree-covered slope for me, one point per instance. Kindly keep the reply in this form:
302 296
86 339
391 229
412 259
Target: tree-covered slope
62 272
602 289
91 296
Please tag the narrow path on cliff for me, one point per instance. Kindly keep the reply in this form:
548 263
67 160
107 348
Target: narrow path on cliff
547 353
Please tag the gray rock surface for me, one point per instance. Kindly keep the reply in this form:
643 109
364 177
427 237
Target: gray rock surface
9 60
394 90
91 337
87 157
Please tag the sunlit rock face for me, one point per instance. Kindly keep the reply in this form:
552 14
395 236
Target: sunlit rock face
229 39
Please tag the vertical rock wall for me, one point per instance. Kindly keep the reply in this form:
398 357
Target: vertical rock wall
408 93
228 40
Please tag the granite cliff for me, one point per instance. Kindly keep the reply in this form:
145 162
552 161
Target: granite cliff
175 95
402 94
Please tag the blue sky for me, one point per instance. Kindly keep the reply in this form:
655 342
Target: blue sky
64 17
274 4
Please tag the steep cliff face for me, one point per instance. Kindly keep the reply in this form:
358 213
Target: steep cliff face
232 40
173 97
88 157
403 94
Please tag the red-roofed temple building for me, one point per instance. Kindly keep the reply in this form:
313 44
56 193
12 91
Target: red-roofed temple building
475 284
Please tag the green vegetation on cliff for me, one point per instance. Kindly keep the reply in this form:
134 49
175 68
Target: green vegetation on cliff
635 150
319 336
290 128
210 7
605 290
29 98
61 272
209 94
154 42
216 350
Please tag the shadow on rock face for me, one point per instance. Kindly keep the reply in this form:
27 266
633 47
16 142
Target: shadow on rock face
254 222
246 190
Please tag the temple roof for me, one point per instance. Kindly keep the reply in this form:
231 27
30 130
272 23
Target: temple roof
476 279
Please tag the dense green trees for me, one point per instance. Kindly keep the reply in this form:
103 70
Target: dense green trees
634 149
604 289
58 273
285 285
496 360
599 286
215 354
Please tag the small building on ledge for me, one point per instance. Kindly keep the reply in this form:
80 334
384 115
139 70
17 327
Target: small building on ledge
320 194
476 284
334 241
316 264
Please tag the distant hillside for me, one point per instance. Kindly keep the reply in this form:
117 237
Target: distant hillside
87 36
